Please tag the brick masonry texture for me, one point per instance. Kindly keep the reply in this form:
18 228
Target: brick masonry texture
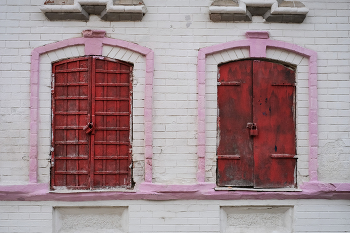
180 216
175 33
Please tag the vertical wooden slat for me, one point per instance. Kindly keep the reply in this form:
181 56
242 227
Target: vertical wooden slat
274 109
69 110
112 102
263 93
118 94
105 94
93 120
77 131
53 138
91 90
235 146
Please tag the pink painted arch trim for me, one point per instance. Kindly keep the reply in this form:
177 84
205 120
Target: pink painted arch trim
93 46
257 43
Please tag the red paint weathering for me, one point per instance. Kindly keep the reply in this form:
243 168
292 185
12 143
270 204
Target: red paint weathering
235 148
257 46
91 102
256 122
93 46
312 189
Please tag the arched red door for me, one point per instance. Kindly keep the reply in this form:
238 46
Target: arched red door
256 125
91 122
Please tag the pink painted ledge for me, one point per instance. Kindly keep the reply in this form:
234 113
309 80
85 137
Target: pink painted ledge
149 191
93 41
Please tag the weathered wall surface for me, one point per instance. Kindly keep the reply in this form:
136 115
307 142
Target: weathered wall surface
175 30
179 216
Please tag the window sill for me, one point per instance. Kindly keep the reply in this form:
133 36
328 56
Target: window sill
258 190
124 190
199 191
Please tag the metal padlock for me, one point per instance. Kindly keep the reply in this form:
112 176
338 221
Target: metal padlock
88 128
253 131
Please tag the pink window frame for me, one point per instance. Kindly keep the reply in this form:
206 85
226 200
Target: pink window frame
258 42
93 41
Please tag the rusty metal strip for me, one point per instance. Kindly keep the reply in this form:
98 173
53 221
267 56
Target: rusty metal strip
72 98
71 172
112 113
71 113
112 128
70 84
229 83
69 127
229 157
72 70
78 157
112 84
283 156
111 173
112 98
113 71
110 143
71 142
112 157
283 84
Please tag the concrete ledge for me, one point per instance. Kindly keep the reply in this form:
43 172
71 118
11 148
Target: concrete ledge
277 11
56 16
284 18
106 9
229 13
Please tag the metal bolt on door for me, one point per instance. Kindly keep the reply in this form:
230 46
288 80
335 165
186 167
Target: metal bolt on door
91 102
256 125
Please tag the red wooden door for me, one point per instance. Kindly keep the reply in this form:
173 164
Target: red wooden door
235 148
274 114
70 103
91 101
111 107
262 93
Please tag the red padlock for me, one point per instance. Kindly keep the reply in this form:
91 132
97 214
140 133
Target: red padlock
253 129
88 128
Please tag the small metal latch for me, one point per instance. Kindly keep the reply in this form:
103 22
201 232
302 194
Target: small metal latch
52 162
253 129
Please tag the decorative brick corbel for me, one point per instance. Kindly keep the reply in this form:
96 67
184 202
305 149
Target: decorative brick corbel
286 12
108 10
277 11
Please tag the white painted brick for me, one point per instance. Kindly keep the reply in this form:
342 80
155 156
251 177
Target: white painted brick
175 93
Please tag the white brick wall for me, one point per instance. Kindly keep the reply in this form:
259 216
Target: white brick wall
180 216
175 30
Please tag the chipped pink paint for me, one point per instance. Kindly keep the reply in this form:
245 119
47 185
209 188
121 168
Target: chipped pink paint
93 41
257 35
149 191
93 33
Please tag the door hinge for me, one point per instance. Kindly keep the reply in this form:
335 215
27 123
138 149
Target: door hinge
52 162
